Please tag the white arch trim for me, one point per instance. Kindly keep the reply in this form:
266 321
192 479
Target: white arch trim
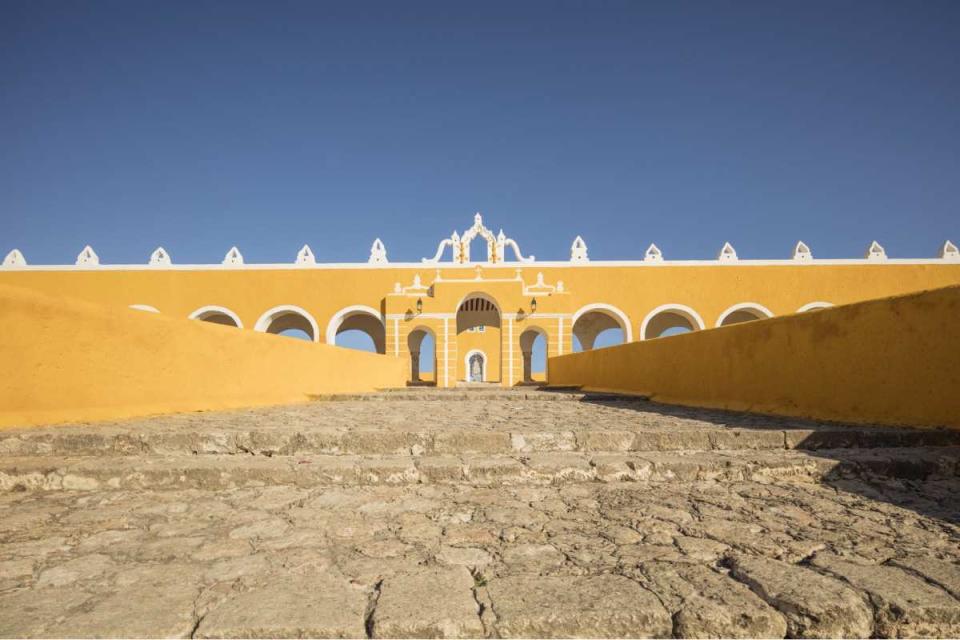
482 295
744 306
616 313
334 325
263 323
810 306
682 309
145 307
212 308
483 368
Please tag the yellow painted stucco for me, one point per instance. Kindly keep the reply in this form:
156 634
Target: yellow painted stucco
71 360
887 361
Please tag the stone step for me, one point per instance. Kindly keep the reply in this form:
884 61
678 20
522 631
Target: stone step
460 394
117 440
227 472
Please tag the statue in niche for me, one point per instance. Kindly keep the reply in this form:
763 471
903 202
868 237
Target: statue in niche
476 368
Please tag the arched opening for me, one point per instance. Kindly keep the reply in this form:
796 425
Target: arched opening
289 321
423 355
358 327
744 312
669 320
217 315
814 306
478 332
475 363
600 325
533 346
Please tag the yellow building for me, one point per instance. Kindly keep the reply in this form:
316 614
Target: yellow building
484 315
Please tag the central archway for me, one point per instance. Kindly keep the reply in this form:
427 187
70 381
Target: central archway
589 322
478 332
358 318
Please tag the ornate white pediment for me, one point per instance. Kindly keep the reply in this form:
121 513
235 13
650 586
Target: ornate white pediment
378 253
160 258
875 252
578 250
15 259
460 245
88 257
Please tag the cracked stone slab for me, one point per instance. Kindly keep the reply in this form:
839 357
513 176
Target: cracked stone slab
814 605
603 606
428 602
291 606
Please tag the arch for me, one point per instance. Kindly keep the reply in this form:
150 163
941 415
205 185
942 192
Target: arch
528 339
743 312
217 315
589 320
145 307
358 317
813 306
287 316
483 363
476 309
668 316
415 340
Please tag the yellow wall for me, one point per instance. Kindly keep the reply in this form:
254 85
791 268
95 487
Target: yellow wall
888 361
67 360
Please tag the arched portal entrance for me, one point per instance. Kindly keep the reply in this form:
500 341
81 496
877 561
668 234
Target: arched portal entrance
478 332
351 323
594 320
422 344
533 346
289 320
670 319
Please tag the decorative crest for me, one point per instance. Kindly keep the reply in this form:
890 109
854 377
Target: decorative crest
160 257
875 252
15 259
727 253
460 245
88 257
578 250
378 253
949 251
233 257
653 254
305 256
802 253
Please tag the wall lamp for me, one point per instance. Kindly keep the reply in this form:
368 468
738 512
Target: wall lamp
533 305
419 305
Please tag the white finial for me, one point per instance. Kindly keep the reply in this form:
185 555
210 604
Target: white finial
15 259
875 252
233 257
88 257
416 282
578 250
378 253
949 251
653 254
727 253
160 257
397 288
478 219
305 256
802 253
559 286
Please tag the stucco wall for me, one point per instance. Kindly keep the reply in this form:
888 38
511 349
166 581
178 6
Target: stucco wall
67 360
892 361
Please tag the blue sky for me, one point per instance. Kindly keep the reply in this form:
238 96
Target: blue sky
201 125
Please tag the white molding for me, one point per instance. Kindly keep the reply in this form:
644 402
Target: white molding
480 294
88 257
233 258
160 258
483 368
264 321
334 325
814 305
683 310
144 307
432 316
212 308
446 352
15 259
305 256
602 306
509 351
744 306
801 252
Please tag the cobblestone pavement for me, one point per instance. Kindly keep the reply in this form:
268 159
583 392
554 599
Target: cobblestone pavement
469 516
